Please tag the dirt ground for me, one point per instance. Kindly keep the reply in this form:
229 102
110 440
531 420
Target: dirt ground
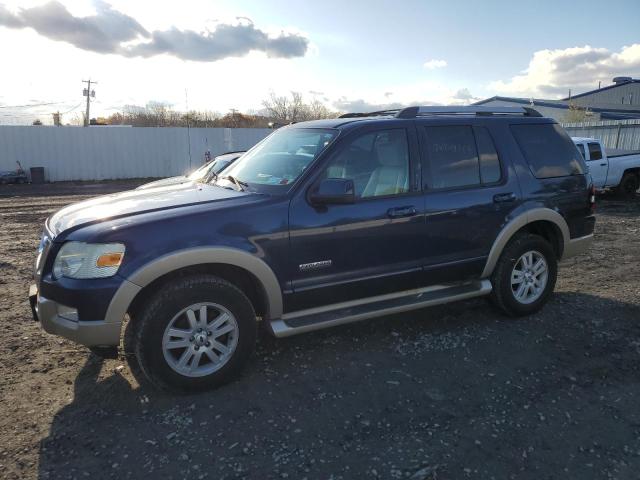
450 392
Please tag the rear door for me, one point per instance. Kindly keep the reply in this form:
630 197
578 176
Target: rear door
598 164
468 194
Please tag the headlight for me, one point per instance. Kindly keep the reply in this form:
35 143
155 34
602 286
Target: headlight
88 260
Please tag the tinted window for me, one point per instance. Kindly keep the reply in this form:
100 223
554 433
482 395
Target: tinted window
581 149
377 162
548 150
595 152
453 158
489 163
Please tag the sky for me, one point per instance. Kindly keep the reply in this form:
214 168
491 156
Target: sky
362 55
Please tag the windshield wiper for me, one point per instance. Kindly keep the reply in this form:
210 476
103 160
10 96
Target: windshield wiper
211 177
239 183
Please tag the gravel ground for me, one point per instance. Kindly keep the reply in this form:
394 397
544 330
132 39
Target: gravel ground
442 393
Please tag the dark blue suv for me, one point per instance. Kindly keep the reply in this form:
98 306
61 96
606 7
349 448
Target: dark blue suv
322 223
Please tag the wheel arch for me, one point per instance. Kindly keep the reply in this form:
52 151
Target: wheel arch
635 171
247 272
542 221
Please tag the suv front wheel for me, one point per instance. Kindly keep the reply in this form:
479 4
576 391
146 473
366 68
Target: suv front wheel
195 333
525 275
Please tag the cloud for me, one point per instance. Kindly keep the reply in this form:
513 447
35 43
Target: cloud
432 64
225 41
401 96
554 72
102 32
8 19
464 95
111 31
344 104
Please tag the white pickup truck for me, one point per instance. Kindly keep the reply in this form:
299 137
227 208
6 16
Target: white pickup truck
611 169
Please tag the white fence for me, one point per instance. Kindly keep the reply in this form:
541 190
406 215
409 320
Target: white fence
98 153
623 134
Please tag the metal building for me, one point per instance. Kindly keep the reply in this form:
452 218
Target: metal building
619 101
622 96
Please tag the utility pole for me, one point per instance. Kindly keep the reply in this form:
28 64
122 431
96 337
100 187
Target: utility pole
87 92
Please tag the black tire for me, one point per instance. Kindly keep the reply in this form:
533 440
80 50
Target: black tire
628 185
502 295
163 306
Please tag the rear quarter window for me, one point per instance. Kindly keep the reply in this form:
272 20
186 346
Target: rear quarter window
548 150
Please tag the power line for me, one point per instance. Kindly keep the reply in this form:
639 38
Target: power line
71 109
32 105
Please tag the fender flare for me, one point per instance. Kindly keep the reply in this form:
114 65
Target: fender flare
197 256
515 224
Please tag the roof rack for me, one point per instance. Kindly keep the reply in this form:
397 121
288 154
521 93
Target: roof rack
394 111
413 112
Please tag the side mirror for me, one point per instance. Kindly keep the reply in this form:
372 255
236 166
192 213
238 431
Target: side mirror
333 191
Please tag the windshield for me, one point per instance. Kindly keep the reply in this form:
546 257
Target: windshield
201 172
276 162
212 168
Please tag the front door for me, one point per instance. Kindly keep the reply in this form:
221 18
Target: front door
598 166
370 247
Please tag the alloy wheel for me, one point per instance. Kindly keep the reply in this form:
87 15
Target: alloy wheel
529 277
200 339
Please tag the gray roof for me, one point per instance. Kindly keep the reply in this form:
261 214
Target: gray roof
598 90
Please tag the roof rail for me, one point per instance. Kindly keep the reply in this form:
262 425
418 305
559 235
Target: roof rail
413 112
371 114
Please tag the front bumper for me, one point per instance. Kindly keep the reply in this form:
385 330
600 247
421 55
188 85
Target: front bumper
62 320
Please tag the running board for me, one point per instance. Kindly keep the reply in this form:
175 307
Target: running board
318 318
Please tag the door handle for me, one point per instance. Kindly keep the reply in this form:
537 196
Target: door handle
398 212
504 197
603 164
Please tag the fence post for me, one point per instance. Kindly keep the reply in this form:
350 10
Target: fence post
618 135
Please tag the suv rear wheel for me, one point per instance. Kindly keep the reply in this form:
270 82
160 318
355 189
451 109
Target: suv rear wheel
525 275
195 333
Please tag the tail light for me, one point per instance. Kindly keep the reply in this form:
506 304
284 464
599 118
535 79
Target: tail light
592 199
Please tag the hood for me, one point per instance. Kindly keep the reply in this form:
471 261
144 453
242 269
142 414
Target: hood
165 182
135 202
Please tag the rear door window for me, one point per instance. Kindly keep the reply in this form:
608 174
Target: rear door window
460 156
581 150
548 150
453 157
595 152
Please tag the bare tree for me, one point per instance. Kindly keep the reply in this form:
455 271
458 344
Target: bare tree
156 114
278 107
576 114
283 109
